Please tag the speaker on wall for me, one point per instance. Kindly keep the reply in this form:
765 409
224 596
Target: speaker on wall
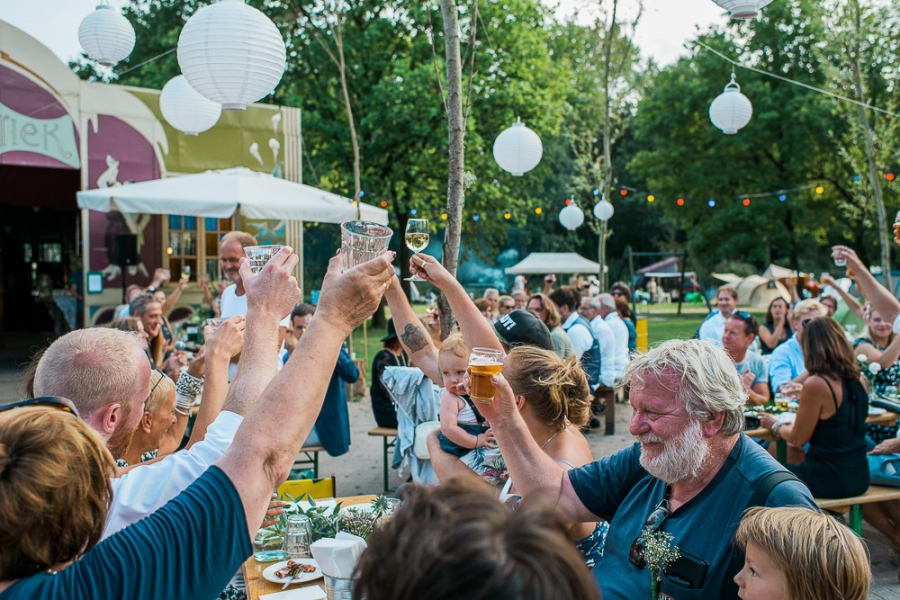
126 249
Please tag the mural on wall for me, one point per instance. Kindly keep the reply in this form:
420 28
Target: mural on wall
117 155
266 231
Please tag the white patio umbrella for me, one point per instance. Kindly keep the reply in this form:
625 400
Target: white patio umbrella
220 193
541 263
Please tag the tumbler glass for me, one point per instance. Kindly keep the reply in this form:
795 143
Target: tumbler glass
361 241
258 256
297 537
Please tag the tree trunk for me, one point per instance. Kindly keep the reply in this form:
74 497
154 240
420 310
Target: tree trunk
607 145
456 135
870 158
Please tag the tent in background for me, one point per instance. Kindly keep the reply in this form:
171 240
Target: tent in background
756 290
542 263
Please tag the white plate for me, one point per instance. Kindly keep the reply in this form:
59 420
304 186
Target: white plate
269 573
873 411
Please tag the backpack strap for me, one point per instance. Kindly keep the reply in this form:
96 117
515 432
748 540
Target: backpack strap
759 498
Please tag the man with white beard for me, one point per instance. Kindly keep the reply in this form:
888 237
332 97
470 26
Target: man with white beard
691 475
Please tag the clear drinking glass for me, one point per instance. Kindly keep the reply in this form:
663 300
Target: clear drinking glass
361 241
186 272
416 239
268 545
483 364
258 256
297 537
214 323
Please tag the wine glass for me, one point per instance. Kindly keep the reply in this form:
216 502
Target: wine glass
416 239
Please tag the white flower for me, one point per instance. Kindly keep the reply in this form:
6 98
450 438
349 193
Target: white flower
874 368
862 358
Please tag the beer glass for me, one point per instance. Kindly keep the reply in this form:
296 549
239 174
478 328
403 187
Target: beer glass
362 241
483 364
258 256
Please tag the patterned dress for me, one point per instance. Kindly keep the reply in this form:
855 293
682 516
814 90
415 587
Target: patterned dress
884 379
148 455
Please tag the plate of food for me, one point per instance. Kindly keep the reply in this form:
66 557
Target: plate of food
300 569
874 411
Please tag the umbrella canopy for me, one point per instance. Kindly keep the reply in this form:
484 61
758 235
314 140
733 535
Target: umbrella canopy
219 193
541 263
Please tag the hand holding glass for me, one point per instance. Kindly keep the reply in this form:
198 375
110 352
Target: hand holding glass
258 256
362 241
484 363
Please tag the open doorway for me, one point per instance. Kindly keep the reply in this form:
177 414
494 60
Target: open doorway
38 250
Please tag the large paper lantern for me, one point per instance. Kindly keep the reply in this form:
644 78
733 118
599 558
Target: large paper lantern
185 109
571 217
731 110
231 53
106 36
604 210
518 149
743 9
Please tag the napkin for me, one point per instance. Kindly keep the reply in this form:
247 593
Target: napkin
312 592
787 418
338 557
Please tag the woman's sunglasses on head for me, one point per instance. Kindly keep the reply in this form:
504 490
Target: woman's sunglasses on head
58 402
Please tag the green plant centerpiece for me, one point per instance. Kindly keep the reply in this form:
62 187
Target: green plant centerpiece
326 522
658 554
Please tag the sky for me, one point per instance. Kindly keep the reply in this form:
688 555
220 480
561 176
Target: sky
664 28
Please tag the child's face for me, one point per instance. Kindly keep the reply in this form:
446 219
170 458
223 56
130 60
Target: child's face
760 579
453 371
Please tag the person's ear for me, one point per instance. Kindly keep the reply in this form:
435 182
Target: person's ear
147 421
520 402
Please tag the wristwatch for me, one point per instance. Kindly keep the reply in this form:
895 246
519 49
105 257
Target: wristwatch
151 288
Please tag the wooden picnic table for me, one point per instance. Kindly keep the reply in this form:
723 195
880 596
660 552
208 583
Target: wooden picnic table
763 433
252 570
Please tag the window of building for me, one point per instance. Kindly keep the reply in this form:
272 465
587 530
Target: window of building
193 243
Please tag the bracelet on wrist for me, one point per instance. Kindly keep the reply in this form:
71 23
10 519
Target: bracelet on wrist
183 413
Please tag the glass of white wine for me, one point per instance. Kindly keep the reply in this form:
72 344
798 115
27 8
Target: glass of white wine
416 239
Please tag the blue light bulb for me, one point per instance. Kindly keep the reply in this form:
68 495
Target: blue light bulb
711 202
596 192
782 197
413 211
475 218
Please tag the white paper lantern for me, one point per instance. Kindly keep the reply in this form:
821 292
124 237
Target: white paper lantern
518 149
231 53
604 210
106 36
571 217
743 9
731 110
185 109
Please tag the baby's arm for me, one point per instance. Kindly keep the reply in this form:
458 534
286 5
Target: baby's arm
451 404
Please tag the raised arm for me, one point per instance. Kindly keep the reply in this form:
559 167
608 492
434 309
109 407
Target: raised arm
535 473
851 302
880 297
222 343
172 299
276 427
414 339
475 329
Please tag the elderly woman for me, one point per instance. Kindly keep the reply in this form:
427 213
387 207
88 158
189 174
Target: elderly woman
160 429
50 454
540 306
553 395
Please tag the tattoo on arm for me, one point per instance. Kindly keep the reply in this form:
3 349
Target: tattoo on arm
414 338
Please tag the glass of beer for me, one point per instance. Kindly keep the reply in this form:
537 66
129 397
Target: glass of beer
416 239
483 364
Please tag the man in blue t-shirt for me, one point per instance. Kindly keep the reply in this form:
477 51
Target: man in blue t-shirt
691 475
741 330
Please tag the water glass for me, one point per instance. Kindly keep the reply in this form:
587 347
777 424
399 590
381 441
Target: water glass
258 256
268 545
214 323
297 537
362 241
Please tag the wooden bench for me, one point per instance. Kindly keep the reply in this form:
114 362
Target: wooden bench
385 433
309 455
875 493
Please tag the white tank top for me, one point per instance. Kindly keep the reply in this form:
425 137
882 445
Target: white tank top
466 414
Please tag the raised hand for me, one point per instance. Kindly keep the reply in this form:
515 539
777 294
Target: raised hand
347 299
431 270
274 289
503 407
227 338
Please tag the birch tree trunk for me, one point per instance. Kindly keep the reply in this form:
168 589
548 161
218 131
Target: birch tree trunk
456 132
607 146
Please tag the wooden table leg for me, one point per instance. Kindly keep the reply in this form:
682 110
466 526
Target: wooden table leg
781 451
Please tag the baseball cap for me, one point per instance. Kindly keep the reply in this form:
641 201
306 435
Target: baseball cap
521 328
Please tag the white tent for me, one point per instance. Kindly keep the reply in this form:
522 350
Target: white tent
541 263
220 193
755 290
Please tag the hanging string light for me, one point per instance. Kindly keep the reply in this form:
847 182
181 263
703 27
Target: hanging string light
742 10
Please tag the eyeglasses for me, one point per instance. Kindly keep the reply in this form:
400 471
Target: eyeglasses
653 523
617 293
743 314
508 306
63 404
805 322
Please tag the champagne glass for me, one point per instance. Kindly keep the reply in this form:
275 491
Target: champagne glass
186 272
416 239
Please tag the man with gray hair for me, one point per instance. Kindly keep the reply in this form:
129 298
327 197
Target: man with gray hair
691 474
607 310
492 295
590 310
